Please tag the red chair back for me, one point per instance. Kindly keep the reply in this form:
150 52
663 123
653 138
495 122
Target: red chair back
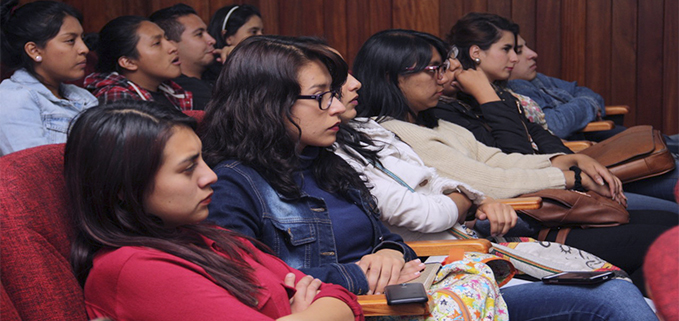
37 229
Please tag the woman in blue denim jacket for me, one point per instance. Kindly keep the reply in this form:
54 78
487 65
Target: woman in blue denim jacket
267 134
42 41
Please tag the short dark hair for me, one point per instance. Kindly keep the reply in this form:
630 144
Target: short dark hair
481 29
237 19
111 159
166 19
37 21
118 38
384 57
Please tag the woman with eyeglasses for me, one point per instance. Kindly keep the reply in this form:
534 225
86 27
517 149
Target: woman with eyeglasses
382 65
267 134
140 192
415 201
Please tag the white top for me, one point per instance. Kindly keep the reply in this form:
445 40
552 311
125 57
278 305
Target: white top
425 214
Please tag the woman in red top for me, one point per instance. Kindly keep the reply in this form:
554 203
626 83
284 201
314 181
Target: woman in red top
140 189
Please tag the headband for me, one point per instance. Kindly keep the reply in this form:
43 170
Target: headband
227 17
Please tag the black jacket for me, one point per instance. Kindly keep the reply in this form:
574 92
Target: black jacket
500 124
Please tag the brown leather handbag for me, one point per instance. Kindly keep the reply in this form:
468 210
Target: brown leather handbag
565 209
637 153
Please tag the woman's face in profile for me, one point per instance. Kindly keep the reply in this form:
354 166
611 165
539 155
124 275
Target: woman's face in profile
318 126
423 89
181 192
253 27
350 98
498 61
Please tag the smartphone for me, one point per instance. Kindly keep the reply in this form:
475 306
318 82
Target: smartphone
405 293
578 278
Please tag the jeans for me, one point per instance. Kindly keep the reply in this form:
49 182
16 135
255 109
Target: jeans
659 186
642 202
612 300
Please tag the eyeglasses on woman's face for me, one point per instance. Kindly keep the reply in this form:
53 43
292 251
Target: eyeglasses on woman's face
439 70
324 99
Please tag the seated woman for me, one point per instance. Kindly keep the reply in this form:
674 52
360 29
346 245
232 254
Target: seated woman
229 26
266 134
483 105
137 62
141 251
413 84
419 206
43 42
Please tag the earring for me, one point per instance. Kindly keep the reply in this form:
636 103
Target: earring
38 58
477 61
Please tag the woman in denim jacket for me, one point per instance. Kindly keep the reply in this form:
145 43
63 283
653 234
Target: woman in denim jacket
267 137
42 41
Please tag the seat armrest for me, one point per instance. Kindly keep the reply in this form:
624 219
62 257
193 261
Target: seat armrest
442 247
596 126
376 305
617 110
523 203
578 145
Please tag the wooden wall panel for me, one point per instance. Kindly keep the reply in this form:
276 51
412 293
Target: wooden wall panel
649 62
422 15
524 13
598 46
573 40
670 112
626 50
623 74
548 37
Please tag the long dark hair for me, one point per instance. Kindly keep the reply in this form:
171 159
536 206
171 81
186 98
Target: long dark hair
237 19
384 57
118 38
112 155
246 118
481 29
37 21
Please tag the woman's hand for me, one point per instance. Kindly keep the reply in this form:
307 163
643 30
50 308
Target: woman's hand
502 217
476 83
222 53
307 288
596 174
386 267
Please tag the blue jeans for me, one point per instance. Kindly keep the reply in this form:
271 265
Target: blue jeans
659 187
642 202
612 300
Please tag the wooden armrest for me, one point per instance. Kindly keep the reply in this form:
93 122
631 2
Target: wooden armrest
596 126
376 305
578 145
523 203
442 247
617 110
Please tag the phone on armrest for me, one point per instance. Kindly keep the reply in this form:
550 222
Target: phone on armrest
405 293
578 278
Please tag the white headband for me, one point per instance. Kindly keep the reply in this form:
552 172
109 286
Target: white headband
227 17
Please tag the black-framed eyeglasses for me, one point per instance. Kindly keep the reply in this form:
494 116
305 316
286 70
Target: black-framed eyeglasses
324 99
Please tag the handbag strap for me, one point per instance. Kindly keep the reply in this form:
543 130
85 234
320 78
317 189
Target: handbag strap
560 236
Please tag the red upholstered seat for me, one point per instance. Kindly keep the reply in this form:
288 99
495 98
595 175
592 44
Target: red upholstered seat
36 233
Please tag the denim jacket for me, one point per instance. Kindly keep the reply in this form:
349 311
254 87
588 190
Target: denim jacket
33 116
298 230
568 107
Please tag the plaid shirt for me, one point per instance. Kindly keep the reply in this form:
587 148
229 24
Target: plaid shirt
113 86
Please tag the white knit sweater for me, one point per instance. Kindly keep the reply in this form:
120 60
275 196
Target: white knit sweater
456 154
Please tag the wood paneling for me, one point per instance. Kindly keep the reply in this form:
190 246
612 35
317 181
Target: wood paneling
626 50
671 68
649 62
